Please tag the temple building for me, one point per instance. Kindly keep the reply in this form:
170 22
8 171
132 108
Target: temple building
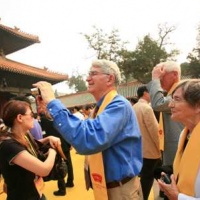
17 78
127 90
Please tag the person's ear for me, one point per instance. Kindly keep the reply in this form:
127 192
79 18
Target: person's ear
19 118
197 109
175 74
111 78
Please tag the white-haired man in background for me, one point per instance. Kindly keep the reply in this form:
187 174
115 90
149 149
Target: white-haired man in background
165 77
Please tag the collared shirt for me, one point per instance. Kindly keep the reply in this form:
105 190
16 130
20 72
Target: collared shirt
79 115
114 132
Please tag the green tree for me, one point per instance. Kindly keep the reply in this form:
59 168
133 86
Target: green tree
194 64
138 63
77 83
185 69
126 64
106 46
194 59
148 53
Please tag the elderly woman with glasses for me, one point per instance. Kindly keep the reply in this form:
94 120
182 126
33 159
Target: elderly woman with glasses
185 108
21 169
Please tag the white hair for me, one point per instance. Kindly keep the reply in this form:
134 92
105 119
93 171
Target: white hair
171 66
109 67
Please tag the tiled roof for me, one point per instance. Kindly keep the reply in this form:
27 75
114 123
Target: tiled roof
77 99
16 31
129 89
13 39
20 68
83 98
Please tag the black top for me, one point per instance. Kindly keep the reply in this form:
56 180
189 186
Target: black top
20 182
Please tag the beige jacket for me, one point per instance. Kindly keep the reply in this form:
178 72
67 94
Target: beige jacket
149 129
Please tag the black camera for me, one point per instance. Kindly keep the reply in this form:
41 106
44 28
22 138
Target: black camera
165 178
167 169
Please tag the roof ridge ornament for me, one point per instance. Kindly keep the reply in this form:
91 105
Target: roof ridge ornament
2 53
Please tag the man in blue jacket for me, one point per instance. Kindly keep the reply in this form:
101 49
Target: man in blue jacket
111 139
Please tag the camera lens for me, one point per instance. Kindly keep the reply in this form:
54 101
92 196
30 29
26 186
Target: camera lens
35 91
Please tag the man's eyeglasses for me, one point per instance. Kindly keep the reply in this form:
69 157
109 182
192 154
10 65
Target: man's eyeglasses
94 73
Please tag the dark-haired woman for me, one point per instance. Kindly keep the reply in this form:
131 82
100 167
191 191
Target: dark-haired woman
21 169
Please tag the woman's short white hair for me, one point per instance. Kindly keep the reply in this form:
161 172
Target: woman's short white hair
108 67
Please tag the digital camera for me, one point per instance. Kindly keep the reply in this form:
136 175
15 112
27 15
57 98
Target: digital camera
165 178
35 91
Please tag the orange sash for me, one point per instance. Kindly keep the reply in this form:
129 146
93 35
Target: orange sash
38 181
95 161
2 185
187 161
39 184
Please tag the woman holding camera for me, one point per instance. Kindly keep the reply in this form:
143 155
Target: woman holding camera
21 169
185 108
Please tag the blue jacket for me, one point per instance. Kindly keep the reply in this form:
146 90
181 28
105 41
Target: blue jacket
114 132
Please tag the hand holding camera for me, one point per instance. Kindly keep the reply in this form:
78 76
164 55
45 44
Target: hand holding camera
165 178
45 90
36 93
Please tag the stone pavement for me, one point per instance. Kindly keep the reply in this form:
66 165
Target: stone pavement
78 192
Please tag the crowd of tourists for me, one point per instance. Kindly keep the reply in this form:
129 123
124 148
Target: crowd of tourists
127 143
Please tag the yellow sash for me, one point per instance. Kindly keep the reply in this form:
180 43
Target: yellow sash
161 126
39 184
96 166
1 184
187 161
161 132
38 181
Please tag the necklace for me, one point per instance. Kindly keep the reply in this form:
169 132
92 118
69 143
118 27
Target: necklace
31 148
